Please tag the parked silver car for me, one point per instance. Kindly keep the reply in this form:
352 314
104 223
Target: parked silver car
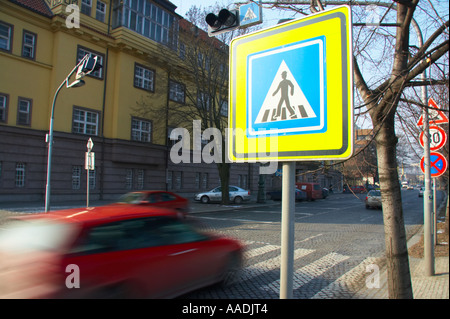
237 195
373 199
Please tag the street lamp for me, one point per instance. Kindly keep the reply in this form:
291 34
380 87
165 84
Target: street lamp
86 65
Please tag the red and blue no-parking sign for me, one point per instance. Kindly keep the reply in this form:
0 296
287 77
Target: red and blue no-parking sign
438 164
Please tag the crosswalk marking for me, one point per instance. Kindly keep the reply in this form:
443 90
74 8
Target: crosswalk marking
307 273
262 273
270 264
260 250
340 284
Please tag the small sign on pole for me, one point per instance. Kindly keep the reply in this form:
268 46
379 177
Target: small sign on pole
438 138
89 161
89 165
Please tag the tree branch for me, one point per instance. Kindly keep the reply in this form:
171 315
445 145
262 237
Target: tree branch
422 50
422 66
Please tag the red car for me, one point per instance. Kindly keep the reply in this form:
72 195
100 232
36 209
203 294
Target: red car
111 251
157 199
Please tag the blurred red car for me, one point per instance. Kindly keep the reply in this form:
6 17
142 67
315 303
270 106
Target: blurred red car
157 199
111 251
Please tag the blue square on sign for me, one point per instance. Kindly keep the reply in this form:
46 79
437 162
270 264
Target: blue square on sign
286 91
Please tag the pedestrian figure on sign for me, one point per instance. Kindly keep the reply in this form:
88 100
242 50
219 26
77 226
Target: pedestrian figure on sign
284 87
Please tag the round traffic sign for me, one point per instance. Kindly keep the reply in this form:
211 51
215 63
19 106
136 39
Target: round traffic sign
438 138
438 164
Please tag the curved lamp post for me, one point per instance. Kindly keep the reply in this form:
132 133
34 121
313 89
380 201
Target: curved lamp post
82 71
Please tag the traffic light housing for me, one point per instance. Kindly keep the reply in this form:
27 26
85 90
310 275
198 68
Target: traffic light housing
226 20
91 64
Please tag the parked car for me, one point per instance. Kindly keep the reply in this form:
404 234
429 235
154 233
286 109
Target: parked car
237 195
313 190
111 251
421 192
156 198
373 199
358 189
276 195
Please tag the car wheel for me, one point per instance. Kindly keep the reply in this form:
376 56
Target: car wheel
367 207
238 200
232 270
205 199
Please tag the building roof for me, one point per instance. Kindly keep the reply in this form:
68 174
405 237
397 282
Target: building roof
38 6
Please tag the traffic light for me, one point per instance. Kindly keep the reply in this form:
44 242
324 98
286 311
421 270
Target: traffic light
91 64
226 20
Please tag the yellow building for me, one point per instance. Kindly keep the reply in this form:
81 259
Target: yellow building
138 44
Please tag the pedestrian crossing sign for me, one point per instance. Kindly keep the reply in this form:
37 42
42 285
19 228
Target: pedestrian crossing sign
293 83
281 104
250 14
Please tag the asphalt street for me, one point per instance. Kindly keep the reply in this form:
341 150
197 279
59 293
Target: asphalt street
336 239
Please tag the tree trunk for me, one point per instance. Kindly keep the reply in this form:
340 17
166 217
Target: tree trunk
399 279
224 173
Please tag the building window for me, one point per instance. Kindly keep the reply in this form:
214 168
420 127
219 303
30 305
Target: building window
81 53
85 122
6 36
141 130
140 178
205 180
169 180
176 92
197 180
224 107
129 179
92 179
101 11
29 45
182 51
3 108
242 181
178 180
147 19
20 174
86 6
144 78
76 177
24 111
203 101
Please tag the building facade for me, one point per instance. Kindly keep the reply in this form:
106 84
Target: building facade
136 41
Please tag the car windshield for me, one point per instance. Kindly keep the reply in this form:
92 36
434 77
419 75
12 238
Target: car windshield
32 235
131 198
374 193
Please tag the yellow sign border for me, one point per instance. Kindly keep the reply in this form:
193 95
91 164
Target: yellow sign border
337 141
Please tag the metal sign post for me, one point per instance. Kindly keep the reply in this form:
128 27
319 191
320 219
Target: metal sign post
287 231
89 165
433 164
